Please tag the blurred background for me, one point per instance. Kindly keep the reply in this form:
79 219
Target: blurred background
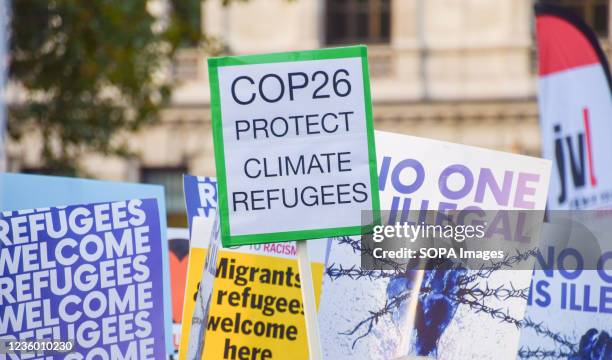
118 90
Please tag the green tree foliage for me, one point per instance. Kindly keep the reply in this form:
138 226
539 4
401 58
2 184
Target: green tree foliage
90 71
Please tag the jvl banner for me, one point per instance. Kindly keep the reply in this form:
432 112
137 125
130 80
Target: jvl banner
575 111
294 144
570 306
91 274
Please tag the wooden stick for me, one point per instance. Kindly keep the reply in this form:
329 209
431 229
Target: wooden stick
310 305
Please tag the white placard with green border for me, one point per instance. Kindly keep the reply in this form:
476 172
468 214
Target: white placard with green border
294 144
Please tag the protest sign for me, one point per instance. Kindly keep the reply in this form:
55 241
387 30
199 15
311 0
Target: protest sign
201 310
178 245
575 102
200 196
268 258
260 333
201 205
25 191
294 144
570 308
441 313
88 274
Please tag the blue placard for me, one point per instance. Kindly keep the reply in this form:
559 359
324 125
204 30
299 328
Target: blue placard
24 191
91 274
200 196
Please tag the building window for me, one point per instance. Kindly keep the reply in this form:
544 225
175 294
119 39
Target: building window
172 181
594 12
358 21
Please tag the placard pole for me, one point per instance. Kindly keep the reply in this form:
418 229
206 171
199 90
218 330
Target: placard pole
409 321
199 321
310 305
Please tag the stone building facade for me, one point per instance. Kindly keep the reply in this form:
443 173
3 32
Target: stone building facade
456 70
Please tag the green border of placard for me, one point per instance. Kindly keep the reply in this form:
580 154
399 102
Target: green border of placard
215 105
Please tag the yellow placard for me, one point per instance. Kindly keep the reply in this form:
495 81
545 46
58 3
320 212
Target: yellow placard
256 308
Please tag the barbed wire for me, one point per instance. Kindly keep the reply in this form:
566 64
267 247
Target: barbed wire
496 313
477 303
353 243
594 344
543 330
539 353
354 272
357 247
473 296
484 272
375 317
472 290
500 292
390 305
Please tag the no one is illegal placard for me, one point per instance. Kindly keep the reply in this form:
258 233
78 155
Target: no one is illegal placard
294 144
